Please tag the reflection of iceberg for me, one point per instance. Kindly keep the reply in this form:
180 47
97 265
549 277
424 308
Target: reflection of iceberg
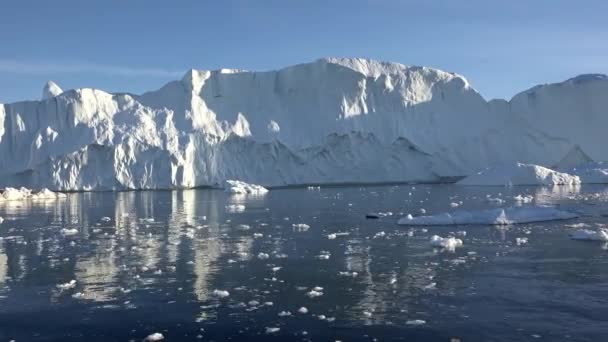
97 274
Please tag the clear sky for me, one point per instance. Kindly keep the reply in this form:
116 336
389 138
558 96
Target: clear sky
501 47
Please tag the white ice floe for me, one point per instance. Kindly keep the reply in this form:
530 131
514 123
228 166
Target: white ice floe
69 231
263 256
449 243
524 198
239 187
154 337
415 322
303 310
1 219
520 174
67 286
520 241
498 216
272 330
235 208
590 235
314 293
300 227
284 314
221 293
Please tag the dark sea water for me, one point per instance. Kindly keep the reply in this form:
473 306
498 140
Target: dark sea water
151 261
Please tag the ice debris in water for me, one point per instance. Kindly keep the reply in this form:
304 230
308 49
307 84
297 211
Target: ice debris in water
284 313
13 194
235 208
300 227
69 231
239 187
263 256
272 330
449 243
590 235
521 241
415 322
523 198
316 292
221 293
154 337
303 310
67 286
498 216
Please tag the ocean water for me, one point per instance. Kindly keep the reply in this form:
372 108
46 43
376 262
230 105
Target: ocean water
196 265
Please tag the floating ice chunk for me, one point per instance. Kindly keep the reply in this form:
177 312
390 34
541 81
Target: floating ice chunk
235 208
495 200
313 293
449 243
67 286
106 219
430 286
12 194
272 330
239 187
221 293
69 231
520 174
521 241
379 235
303 310
1 219
454 205
154 337
348 274
498 216
590 235
331 236
415 322
284 313
263 256
523 198
301 227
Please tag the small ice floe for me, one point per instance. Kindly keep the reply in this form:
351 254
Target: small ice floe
235 208
258 235
300 227
46 194
461 233
263 256
367 314
495 200
498 216
578 225
242 188
1 219
348 274
415 322
379 235
431 286
324 255
106 219
523 198
303 310
335 235
69 231
154 337
284 314
316 292
272 330
393 280
67 286
590 235
520 241
422 211
313 187
449 243
454 204
243 227
221 293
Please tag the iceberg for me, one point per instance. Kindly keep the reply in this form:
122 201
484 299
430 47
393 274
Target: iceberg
449 243
520 174
590 235
498 216
12 194
333 120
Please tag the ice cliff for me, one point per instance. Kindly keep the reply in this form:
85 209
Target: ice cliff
330 121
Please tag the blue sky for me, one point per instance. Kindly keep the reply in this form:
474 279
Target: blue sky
501 47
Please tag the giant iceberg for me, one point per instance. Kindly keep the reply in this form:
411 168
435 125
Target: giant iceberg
334 120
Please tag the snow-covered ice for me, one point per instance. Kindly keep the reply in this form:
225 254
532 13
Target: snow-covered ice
498 216
154 337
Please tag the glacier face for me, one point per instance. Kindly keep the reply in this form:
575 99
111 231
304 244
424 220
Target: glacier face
334 120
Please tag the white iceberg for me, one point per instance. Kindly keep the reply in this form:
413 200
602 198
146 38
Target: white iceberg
498 216
333 120
239 187
520 174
